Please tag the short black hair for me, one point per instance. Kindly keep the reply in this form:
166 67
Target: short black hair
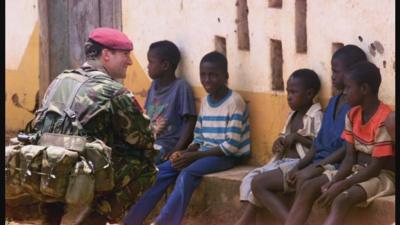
218 58
366 72
167 51
309 78
350 55
93 49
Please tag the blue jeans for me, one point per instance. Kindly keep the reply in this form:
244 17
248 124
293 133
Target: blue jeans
187 181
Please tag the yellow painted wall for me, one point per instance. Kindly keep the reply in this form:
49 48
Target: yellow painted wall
22 84
137 81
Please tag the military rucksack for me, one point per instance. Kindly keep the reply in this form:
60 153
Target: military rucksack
42 163
56 115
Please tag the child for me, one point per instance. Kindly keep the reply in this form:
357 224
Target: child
169 102
363 175
390 124
292 144
221 136
328 140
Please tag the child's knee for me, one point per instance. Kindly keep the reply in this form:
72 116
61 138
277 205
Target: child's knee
342 201
257 184
301 178
309 188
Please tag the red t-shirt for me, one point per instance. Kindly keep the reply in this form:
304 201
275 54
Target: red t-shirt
371 137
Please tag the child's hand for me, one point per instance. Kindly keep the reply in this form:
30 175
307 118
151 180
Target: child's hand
326 199
184 159
277 147
326 186
290 140
168 155
292 175
174 155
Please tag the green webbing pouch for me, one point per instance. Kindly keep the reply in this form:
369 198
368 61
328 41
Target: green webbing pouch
81 184
70 142
13 186
57 164
98 155
31 164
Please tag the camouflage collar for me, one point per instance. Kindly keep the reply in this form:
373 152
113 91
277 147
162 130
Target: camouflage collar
94 65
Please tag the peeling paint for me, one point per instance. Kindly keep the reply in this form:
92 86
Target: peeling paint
16 101
360 38
379 47
372 49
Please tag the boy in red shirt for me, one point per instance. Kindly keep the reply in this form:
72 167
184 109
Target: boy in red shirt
365 173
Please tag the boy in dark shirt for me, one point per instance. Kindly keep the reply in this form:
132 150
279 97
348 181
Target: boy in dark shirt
169 102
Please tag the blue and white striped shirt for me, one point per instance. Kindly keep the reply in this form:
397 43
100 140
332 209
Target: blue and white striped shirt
224 124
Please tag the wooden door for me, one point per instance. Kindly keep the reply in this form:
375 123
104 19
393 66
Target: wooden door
64 28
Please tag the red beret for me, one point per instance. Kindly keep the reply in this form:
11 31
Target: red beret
111 38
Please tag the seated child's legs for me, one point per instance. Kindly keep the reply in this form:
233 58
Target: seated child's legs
249 214
307 173
245 186
309 192
264 188
188 180
246 196
343 202
361 195
138 213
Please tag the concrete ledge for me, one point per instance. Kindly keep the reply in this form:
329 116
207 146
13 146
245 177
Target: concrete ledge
216 201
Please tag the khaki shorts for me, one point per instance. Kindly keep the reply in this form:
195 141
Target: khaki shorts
379 186
285 165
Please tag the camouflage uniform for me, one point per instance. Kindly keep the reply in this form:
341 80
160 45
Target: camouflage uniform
110 112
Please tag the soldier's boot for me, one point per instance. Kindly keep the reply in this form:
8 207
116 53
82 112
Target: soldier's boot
52 213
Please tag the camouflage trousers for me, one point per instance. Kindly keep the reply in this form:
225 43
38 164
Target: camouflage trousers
132 178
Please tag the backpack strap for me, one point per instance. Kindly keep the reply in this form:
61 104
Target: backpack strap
79 75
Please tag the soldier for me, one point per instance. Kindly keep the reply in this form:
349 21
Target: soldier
106 110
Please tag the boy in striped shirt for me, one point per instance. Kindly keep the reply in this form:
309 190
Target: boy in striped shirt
221 137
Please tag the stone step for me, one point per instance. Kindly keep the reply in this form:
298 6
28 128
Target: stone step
216 202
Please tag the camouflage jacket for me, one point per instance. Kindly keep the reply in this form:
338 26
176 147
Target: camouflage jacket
109 112
105 110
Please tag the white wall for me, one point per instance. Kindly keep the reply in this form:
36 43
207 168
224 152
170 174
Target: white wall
192 25
21 17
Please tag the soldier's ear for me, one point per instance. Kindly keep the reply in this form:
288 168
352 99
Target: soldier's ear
105 54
